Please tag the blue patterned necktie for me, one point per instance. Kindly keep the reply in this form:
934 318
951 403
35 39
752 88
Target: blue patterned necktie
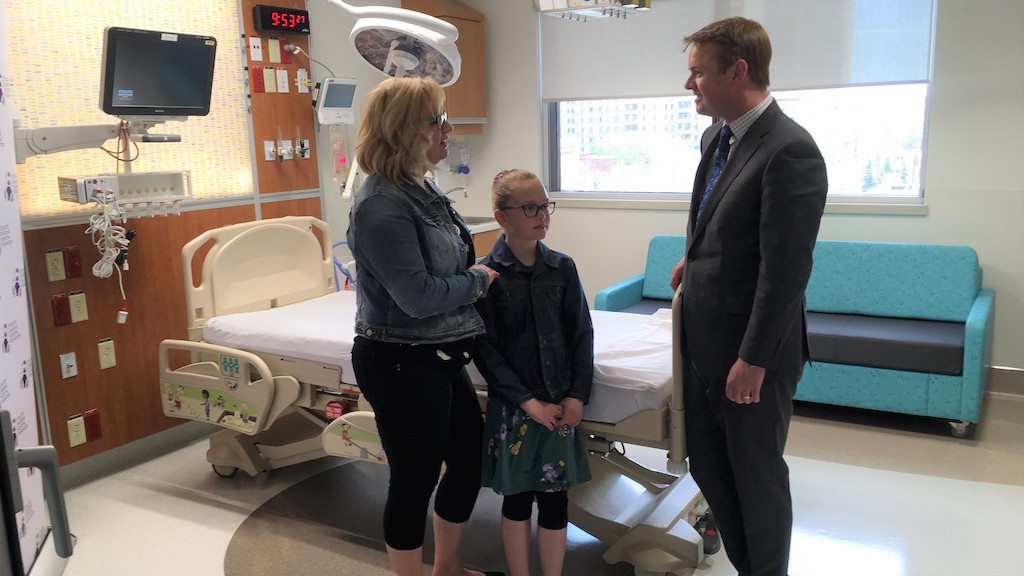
720 157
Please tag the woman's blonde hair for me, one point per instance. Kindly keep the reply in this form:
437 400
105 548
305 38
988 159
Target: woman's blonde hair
505 185
395 130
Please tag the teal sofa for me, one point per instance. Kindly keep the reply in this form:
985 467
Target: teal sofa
903 328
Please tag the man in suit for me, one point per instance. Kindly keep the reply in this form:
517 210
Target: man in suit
757 202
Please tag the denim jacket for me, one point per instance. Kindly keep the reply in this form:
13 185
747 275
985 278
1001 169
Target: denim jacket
411 251
539 341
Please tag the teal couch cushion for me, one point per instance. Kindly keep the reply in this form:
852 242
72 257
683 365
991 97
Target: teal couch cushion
664 252
928 282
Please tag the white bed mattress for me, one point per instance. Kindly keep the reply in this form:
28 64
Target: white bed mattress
632 352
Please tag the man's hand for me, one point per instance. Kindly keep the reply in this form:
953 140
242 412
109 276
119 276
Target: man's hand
572 412
544 413
744 383
677 274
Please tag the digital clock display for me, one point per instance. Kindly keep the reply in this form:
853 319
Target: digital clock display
280 19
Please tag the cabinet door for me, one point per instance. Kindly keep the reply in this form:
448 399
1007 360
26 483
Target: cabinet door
467 98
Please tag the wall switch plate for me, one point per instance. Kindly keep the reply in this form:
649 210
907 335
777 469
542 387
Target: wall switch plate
76 430
72 261
269 151
61 309
92 425
68 365
79 310
55 265
107 359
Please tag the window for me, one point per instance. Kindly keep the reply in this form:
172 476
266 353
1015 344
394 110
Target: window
871 137
854 73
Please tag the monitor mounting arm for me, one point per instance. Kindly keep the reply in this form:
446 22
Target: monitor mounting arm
29 142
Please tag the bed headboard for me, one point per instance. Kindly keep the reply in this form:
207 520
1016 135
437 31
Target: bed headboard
256 266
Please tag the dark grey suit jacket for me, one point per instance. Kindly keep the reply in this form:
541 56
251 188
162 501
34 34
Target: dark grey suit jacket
749 256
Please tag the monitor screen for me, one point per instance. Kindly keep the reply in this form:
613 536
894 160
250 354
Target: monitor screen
147 73
335 98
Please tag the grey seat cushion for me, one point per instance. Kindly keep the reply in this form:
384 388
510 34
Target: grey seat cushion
647 306
892 343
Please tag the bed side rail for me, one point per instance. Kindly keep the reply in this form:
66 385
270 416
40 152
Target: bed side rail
228 387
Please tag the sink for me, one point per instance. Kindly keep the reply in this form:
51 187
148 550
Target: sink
471 220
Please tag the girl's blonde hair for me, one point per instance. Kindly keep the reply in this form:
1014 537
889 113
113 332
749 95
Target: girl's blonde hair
505 185
395 130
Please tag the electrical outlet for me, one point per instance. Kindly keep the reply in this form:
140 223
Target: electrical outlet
68 365
55 265
79 311
76 430
92 425
107 359
61 309
72 261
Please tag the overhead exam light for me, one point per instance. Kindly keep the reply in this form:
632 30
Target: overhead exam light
400 42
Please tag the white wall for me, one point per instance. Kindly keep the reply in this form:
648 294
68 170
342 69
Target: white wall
974 181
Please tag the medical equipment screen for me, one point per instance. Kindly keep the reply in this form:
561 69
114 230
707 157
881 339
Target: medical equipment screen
157 73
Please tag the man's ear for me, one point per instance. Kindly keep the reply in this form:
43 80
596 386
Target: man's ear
739 72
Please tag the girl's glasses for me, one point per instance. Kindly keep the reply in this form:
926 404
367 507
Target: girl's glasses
531 210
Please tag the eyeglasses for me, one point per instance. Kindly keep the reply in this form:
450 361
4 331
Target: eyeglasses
531 210
440 119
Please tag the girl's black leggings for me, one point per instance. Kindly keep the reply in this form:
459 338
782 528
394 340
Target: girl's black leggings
427 413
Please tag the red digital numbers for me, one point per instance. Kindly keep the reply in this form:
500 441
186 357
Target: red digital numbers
287 20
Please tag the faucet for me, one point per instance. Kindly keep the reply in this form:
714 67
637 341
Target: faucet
465 193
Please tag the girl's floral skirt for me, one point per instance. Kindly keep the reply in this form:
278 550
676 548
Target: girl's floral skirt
521 455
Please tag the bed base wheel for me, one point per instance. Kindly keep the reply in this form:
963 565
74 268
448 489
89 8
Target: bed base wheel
960 429
224 471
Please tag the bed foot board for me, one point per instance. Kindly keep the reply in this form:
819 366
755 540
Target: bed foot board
642 519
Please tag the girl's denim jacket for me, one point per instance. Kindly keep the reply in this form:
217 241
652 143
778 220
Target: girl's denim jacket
552 339
411 251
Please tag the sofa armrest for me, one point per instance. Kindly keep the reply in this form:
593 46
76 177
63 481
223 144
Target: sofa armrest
618 296
977 352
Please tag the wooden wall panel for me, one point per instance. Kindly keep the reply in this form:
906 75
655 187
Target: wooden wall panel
299 207
281 113
126 395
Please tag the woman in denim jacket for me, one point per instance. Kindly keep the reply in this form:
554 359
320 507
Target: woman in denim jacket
415 322
538 359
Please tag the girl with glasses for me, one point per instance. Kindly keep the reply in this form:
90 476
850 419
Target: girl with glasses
537 356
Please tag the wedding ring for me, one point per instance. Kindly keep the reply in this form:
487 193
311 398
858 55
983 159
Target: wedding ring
747 397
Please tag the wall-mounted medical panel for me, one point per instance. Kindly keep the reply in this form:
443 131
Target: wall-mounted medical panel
281 104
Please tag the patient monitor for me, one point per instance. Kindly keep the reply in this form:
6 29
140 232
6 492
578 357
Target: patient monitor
334 101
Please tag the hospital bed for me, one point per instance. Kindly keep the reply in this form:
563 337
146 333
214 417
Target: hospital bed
268 360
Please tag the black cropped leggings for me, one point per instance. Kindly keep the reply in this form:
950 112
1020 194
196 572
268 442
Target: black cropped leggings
552 508
427 413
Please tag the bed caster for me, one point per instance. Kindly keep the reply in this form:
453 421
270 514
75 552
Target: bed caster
224 471
960 429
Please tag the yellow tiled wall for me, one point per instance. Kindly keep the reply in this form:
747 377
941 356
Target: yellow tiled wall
54 50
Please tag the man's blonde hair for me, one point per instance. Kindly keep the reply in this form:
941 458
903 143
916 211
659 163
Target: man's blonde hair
395 130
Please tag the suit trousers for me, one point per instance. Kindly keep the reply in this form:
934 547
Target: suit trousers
735 453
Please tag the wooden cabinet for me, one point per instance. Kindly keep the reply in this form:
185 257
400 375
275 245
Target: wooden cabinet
484 241
467 98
